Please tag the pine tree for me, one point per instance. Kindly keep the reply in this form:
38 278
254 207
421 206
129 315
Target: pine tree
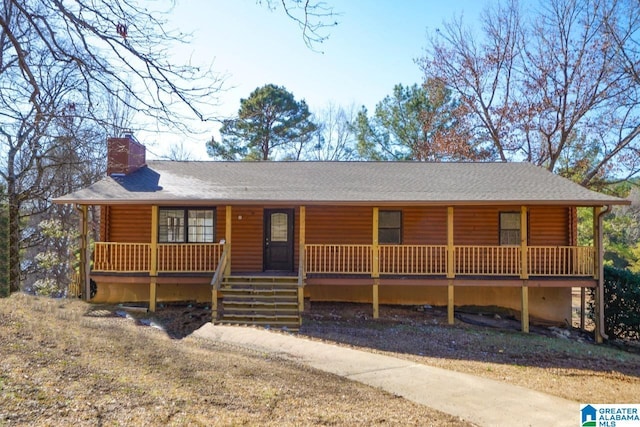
270 123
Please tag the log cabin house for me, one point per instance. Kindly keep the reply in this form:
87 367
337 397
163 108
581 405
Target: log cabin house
258 238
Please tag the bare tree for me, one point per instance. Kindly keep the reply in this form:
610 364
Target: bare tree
481 74
313 18
4 243
622 30
335 138
75 157
68 60
179 153
551 89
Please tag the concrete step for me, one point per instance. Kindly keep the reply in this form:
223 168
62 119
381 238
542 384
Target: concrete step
260 316
261 279
288 326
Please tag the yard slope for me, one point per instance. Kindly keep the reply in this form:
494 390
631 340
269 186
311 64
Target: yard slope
70 363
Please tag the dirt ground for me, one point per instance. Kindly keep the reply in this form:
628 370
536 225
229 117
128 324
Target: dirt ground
66 362
69 363
563 361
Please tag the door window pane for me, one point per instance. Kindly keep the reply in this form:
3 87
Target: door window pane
279 227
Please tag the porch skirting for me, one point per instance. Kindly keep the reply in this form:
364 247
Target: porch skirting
547 299
548 303
135 289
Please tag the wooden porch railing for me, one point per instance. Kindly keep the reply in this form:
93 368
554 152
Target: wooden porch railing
487 260
358 259
561 260
192 257
122 257
432 260
172 258
338 259
413 259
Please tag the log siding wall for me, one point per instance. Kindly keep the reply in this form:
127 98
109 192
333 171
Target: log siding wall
339 225
548 226
246 238
132 224
128 224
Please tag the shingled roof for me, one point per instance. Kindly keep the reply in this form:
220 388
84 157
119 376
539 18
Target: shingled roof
380 183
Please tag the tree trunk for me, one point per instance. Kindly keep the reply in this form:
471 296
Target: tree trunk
15 272
4 248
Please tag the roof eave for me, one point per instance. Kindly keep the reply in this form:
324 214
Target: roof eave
240 202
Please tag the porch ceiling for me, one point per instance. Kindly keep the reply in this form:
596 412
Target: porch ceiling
347 183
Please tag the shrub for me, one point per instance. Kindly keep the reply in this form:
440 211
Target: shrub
621 304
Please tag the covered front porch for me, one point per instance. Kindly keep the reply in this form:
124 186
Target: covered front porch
447 266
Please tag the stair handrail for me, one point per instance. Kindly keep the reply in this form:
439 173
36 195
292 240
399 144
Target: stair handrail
301 270
302 274
216 280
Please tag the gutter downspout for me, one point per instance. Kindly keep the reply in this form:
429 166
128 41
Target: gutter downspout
607 209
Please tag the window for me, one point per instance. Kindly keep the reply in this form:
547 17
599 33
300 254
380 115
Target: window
509 228
390 227
180 225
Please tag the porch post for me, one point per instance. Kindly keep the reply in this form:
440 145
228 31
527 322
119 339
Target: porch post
583 293
153 268
524 268
83 272
524 258
450 266
597 259
227 238
525 307
375 262
582 307
596 241
301 261
87 253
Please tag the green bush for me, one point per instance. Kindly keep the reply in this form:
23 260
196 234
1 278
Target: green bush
621 304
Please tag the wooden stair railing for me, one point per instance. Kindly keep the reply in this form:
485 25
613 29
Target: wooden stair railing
216 281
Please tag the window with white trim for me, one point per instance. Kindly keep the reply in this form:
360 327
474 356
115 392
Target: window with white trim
186 225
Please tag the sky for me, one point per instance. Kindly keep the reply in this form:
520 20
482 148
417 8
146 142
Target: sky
373 48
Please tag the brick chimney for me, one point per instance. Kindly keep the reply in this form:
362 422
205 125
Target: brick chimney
124 155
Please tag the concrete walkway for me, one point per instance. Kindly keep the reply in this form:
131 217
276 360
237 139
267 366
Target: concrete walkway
481 401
